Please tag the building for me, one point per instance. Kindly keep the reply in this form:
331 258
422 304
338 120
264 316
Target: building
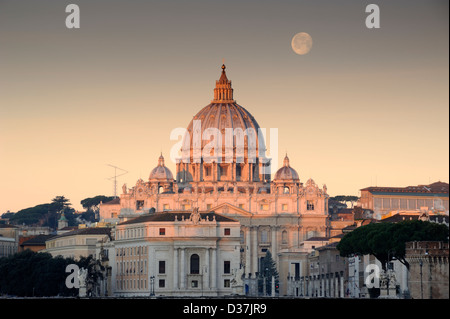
332 271
382 200
9 240
276 215
177 253
77 243
34 243
429 269
109 211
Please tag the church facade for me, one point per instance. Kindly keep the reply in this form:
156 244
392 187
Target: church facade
228 174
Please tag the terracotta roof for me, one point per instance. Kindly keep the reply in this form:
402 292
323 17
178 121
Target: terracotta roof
38 240
87 231
328 246
318 239
170 217
115 201
400 217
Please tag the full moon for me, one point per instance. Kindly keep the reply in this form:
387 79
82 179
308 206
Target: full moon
301 43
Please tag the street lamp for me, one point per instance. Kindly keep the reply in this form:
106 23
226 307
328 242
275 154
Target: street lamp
152 286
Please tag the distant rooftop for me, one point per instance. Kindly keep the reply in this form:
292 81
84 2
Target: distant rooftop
170 217
115 201
434 188
87 231
37 240
318 239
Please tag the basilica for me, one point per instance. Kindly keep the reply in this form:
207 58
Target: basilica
234 187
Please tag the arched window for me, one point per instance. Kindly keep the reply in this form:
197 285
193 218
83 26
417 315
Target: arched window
195 264
160 190
286 190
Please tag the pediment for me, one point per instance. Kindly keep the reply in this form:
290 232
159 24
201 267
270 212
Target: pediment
230 210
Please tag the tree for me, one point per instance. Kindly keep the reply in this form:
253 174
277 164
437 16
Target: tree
386 241
31 215
60 204
29 273
344 199
92 203
268 270
92 206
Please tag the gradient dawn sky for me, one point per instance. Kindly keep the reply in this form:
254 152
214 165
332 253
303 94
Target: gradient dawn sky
364 107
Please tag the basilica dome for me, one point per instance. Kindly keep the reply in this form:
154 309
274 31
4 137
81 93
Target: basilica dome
221 114
286 172
161 172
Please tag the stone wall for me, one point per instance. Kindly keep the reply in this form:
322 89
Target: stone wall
429 269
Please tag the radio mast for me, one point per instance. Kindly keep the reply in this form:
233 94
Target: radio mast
114 178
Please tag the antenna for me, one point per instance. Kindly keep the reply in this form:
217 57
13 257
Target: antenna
115 177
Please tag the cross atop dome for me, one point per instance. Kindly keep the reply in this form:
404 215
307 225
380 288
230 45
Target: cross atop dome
223 92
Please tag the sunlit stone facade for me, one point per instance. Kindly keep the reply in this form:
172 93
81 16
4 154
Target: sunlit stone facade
233 180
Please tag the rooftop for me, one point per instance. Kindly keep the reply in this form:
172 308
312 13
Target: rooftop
179 215
87 231
38 240
434 188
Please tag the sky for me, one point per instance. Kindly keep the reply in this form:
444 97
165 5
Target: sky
365 107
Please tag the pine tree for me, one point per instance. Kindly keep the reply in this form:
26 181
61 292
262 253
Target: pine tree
268 270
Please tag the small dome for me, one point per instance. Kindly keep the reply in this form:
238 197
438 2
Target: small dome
161 172
286 172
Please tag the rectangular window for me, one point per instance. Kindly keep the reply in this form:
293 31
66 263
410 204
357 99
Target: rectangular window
226 267
264 206
284 207
241 206
207 171
226 283
194 283
139 204
162 283
162 266
223 171
166 206
310 205
386 203
208 206
412 204
227 232
162 231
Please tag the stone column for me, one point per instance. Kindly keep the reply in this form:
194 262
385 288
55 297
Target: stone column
342 285
175 269
248 246
274 230
322 291
183 270
214 268
336 286
208 271
254 250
